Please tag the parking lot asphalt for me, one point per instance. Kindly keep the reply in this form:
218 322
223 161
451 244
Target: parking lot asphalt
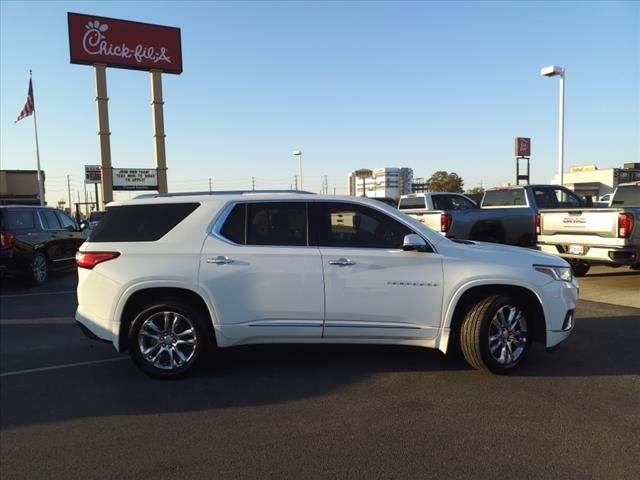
74 408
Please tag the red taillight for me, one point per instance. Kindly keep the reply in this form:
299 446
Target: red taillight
538 224
445 222
91 259
6 239
625 225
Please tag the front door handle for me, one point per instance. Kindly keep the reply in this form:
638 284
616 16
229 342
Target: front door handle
342 262
220 260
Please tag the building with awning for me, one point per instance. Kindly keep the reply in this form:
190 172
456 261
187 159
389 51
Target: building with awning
591 180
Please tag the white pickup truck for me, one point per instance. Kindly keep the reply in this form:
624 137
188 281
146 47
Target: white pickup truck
609 236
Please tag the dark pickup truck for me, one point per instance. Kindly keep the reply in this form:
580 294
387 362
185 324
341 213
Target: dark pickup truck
506 215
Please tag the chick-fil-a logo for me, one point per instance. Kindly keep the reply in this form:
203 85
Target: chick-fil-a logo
94 42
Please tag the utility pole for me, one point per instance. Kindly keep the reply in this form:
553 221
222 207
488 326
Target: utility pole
326 186
334 190
295 179
69 192
209 184
253 183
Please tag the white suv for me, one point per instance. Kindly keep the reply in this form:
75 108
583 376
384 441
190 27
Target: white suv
171 278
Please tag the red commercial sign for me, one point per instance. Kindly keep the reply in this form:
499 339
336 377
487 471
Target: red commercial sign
523 147
124 44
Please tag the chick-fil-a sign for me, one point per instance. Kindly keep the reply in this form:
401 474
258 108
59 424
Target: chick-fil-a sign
124 44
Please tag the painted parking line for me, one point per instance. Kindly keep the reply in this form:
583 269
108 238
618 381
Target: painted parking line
60 367
37 294
37 321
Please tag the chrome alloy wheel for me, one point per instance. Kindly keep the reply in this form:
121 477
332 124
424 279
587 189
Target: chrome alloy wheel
508 335
39 268
167 340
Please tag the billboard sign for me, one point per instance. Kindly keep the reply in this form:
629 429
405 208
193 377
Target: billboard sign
523 147
124 44
92 174
135 179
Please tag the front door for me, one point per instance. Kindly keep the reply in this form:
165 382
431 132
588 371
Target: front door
373 288
264 280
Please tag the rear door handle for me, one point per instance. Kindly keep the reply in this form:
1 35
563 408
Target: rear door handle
342 262
220 260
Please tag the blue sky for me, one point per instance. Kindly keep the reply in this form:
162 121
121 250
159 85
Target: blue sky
428 85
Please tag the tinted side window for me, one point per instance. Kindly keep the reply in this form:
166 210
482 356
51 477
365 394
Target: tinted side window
543 199
20 219
67 223
281 224
461 203
50 220
141 223
357 226
234 226
442 202
567 199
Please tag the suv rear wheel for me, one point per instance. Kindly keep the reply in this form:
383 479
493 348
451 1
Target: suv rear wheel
494 335
38 268
167 339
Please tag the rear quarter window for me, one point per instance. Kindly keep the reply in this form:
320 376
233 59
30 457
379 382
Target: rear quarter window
504 198
626 197
411 202
141 223
18 220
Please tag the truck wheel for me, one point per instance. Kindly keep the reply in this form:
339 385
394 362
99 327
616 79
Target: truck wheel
38 268
494 334
580 269
168 338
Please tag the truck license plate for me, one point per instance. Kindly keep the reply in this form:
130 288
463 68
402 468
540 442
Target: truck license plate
576 249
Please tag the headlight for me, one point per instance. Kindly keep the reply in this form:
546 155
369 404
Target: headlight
557 273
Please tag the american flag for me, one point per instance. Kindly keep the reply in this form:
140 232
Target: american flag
29 106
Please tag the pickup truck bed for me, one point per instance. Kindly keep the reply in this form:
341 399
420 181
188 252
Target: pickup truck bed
609 236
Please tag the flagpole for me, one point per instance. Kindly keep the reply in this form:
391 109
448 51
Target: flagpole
35 129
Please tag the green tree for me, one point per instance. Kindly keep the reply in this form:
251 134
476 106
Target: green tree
443 181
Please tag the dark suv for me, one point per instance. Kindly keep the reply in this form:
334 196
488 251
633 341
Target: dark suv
35 240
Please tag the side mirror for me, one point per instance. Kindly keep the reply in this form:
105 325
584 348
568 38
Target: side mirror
413 243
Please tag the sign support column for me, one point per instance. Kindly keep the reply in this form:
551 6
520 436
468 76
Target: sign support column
158 129
102 104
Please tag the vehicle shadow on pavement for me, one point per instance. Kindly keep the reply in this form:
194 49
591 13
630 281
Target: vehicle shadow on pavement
621 273
598 346
239 377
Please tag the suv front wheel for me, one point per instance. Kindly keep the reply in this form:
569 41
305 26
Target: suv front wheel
167 339
494 335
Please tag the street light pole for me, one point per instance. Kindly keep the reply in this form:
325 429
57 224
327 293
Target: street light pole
298 153
555 71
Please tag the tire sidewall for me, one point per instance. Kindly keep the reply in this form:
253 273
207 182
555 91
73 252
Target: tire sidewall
491 363
204 341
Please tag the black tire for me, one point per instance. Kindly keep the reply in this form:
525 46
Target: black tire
580 269
511 341
38 268
168 353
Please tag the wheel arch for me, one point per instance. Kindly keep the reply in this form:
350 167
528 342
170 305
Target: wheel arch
146 294
468 296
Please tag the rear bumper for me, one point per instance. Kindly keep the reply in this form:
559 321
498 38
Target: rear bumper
604 255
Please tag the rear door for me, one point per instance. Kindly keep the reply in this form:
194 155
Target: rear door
72 235
57 242
261 274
